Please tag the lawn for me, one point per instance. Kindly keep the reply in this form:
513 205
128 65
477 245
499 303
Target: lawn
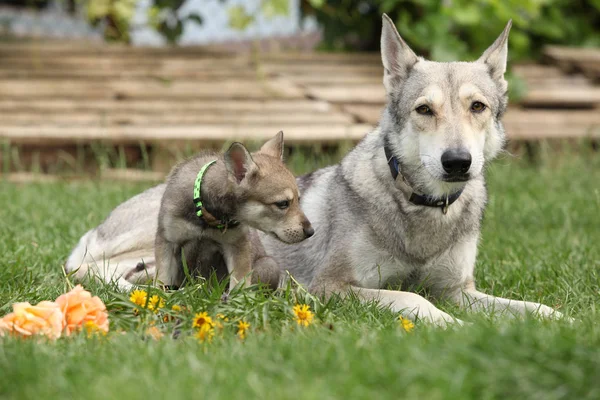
540 242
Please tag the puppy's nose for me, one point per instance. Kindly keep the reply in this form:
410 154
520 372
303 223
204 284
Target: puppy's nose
308 231
456 161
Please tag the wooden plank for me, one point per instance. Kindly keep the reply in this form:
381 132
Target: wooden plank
28 177
370 94
364 113
175 117
570 97
536 71
554 124
335 79
82 48
573 54
244 73
148 89
216 106
130 175
48 135
314 69
118 63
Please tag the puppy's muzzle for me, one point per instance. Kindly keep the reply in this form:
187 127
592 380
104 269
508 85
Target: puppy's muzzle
308 229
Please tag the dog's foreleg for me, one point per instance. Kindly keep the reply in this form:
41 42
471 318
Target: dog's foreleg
410 305
472 299
238 257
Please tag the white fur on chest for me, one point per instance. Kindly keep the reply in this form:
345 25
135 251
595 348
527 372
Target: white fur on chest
374 267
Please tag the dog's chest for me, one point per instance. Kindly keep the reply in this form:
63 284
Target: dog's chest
375 267
399 254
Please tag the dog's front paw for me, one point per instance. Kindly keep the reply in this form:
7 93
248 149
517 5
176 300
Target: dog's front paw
550 313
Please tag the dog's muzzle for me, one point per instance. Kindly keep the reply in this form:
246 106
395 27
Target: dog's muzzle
456 164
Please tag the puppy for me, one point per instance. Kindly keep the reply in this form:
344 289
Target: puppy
211 205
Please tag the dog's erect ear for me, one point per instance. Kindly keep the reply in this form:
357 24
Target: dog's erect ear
496 55
397 57
238 161
274 146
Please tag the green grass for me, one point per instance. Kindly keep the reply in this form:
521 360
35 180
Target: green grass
540 242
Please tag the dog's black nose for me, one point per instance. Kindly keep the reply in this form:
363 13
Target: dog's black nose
456 161
308 232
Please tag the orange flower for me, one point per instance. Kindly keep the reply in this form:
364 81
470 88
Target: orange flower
45 318
154 333
79 308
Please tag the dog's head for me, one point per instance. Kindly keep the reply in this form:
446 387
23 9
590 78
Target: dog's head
442 120
268 191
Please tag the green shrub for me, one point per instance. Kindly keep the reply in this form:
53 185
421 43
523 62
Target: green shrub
446 30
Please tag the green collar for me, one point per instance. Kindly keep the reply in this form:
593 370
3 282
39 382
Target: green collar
208 218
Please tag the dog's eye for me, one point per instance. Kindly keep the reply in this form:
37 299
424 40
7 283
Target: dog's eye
477 107
282 204
424 110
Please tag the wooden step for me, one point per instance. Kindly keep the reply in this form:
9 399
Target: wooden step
216 106
149 89
50 135
175 117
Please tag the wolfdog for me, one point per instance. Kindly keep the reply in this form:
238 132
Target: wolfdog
404 207
206 210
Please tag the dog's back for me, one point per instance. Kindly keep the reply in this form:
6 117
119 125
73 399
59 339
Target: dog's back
115 247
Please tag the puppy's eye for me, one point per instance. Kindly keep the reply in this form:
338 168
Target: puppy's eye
477 107
282 204
424 110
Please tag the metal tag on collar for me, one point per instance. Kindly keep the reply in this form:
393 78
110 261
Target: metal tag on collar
446 205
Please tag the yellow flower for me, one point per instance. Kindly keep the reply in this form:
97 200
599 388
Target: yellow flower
176 308
202 319
205 333
304 316
242 328
156 302
406 324
92 328
223 317
139 297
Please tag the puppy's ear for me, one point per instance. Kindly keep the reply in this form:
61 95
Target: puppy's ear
496 55
238 162
274 146
397 57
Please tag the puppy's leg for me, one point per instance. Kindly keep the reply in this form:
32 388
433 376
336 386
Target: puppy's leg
167 272
409 305
238 257
266 271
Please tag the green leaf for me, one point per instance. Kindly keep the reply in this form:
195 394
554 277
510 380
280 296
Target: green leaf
274 8
238 18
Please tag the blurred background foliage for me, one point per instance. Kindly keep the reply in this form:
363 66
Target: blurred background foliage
165 17
445 30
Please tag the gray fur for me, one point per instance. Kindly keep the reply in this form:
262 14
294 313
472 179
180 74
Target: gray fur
368 235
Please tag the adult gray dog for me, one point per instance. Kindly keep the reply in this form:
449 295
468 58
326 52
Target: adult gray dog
404 207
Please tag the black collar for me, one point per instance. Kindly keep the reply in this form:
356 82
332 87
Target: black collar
415 198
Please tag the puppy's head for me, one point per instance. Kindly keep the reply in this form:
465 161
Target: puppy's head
270 198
